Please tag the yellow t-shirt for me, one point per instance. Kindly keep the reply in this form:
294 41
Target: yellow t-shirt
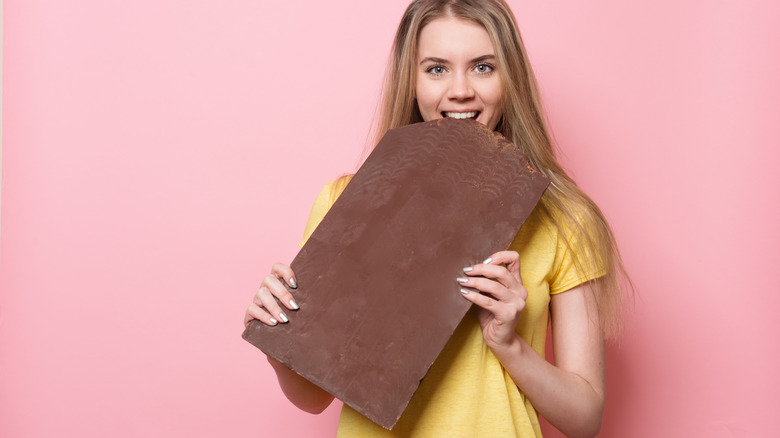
466 392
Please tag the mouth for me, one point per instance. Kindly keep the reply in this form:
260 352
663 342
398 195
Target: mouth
460 115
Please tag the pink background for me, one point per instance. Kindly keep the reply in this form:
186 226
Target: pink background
160 155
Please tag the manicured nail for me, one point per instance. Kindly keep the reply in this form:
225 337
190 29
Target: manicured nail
274 322
464 291
468 269
293 283
283 317
294 305
487 260
462 280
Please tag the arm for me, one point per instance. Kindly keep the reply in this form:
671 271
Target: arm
570 394
302 393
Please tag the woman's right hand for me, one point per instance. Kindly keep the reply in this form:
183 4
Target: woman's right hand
264 307
304 394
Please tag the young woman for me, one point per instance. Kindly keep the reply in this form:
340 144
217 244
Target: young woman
465 59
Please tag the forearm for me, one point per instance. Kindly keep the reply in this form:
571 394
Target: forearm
302 393
568 401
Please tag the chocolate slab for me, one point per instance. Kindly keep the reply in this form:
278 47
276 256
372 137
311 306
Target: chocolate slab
376 280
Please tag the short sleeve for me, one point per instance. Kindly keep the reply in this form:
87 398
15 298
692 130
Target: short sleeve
322 204
568 274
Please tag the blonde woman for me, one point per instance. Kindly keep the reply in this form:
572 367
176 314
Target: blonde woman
465 59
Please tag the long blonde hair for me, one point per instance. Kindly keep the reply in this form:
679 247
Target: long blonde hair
523 123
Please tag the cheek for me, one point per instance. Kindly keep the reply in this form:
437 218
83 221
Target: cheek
426 102
493 95
492 98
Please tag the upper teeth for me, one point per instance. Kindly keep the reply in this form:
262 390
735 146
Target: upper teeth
461 115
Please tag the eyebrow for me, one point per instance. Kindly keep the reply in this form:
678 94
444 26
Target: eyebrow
444 61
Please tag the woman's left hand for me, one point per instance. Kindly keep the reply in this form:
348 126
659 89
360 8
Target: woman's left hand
502 297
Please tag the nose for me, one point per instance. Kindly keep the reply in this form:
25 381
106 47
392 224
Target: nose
460 88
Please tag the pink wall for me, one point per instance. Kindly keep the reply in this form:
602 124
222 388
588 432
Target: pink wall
159 155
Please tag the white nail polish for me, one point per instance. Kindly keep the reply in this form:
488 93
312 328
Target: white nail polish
294 305
462 280
464 291
293 283
283 317
487 260
468 269
274 322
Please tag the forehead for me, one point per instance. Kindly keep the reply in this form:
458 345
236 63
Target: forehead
453 39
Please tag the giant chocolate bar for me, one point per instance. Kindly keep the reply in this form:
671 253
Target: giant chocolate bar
376 280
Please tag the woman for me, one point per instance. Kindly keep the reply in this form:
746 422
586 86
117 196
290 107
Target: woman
465 59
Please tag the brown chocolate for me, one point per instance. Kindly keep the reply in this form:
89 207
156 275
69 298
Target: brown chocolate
376 280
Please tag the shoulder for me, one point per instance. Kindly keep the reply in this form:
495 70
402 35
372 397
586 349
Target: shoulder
555 244
322 203
336 187
566 221
331 191
575 221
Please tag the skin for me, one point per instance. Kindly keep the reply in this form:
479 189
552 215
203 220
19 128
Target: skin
569 394
456 72
452 76
302 393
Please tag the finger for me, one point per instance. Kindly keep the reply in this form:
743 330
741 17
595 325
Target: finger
256 312
496 272
264 298
285 272
501 312
514 296
279 291
485 286
490 304
511 259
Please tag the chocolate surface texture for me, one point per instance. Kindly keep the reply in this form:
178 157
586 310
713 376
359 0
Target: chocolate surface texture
376 280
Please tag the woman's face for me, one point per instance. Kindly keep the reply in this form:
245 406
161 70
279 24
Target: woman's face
456 72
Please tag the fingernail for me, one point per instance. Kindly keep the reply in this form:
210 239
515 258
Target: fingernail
283 317
464 291
274 322
294 305
293 283
468 269
462 280
487 260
